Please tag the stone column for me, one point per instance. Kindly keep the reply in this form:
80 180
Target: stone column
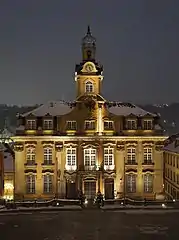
60 171
119 163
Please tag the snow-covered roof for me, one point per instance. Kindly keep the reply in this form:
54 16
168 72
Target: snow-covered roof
126 109
53 108
172 146
8 162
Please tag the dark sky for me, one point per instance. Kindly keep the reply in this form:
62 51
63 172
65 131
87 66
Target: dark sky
137 42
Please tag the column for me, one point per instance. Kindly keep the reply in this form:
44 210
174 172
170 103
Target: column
60 165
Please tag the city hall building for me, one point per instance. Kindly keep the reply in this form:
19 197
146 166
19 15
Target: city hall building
89 144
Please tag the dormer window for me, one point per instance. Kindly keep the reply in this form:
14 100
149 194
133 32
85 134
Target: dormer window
31 124
48 124
108 125
89 87
71 125
147 124
90 125
131 124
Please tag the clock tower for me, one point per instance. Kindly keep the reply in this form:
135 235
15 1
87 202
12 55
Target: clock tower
88 74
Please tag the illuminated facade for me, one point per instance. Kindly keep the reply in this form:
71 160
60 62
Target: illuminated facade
89 144
171 168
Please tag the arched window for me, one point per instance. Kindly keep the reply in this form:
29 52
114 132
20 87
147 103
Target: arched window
89 87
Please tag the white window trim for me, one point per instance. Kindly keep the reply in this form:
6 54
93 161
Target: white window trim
130 124
108 155
148 121
30 155
49 183
90 122
148 154
31 124
72 124
131 155
30 184
48 156
48 124
89 85
88 152
109 123
71 167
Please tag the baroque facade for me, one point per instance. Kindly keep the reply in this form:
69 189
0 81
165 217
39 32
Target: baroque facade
89 144
171 167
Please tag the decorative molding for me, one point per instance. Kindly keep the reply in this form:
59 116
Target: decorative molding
131 143
159 148
120 146
18 147
59 146
47 142
90 145
45 171
30 142
71 144
147 142
109 144
30 171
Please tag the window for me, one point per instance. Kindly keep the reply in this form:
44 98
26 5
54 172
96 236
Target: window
108 125
148 124
147 155
131 156
109 158
131 183
89 125
71 125
131 124
90 158
31 124
148 183
30 156
48 124
89 87
30 184
48 185
47 156
71 158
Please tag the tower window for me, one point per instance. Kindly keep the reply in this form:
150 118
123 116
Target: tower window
89 87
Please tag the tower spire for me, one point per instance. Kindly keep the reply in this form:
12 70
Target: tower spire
89 30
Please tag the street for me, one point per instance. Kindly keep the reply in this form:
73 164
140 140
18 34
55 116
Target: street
89 225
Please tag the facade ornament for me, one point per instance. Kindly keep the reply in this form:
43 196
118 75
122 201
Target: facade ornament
58 146
18 147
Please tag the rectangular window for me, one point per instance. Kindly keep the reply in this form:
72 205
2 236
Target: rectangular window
48 124
131 124
90 158
89 125
108 158
148 183
31 124
131 156
48 184
47 156
71 159
108 125
71 125
147 156
30 184
131 183
30 156
147 124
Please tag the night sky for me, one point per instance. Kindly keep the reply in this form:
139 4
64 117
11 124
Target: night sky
137 43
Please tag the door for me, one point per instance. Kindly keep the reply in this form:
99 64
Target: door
109 188
70 190
90 189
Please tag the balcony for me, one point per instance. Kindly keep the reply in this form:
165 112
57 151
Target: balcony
109 167
70 168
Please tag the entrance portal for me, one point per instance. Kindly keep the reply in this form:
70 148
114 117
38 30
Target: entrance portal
90 189
70 190
109 188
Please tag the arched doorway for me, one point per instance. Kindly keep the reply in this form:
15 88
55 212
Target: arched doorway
109 188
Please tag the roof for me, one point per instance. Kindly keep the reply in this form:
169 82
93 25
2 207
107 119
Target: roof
126 109
53 108
173 147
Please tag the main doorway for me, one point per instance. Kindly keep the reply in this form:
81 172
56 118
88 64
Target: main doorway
70 190
90 189
109 188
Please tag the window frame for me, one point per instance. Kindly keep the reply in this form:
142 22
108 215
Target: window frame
31 124
30 155
89 86
69 125
90 122
110 125
30 184
91 154
47 184
147 155
131 155
47 126
108 155
131 183
147 187
71 161
48 155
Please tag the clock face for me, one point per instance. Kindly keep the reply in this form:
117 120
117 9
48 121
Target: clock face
89 67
